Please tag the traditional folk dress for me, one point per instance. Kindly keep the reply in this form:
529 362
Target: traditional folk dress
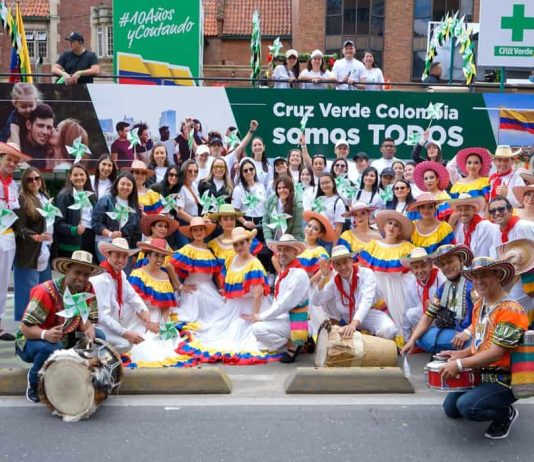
476 188
350 241
392 278
479 235
151 202
310 258
442 235
444 210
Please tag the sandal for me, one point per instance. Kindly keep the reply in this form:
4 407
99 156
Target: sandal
6 336
290 355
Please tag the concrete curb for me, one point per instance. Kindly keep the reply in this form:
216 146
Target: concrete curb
164 381
348 380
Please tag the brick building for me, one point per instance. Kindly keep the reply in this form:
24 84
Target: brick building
395 30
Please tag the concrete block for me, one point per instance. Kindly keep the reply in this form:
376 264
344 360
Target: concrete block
348 380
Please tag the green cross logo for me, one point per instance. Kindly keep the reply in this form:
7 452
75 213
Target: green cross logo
517 23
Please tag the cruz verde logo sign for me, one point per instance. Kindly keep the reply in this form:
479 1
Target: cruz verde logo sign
518 23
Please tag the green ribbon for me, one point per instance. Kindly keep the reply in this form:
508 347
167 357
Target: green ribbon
81 200
78 149
49 212
168 331
75 305
7 218
133 138
250 201
120 214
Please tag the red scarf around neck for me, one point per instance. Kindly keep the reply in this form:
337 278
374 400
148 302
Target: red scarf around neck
469 229
117 277
350 298
496 180
507 229
6 182
294 264
426 288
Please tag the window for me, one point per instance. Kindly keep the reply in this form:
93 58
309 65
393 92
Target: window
37 41
104 41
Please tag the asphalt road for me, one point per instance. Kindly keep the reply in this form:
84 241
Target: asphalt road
267 433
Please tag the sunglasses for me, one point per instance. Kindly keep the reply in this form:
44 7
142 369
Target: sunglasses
175 175
32 179
400 188
248 170
219 167
497 210
194 172
339 166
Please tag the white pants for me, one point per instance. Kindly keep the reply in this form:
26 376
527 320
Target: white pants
6 264
412 317
273 334
380 324
131 323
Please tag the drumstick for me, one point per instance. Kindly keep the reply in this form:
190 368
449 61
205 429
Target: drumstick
406 366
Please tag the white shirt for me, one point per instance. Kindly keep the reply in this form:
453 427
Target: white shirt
485 237
373 75
188 202
281 72
334 208
315 75
365 196
104 186
239 195
330 297
264 177
7 238
344 68
511 181
414 292
381 164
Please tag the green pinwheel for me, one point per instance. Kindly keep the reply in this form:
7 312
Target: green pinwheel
170 203
232 140
7 218
168 331
350 191
75 305
318 204
433 111
191 139
299 190
49 211
275 48
250 201
78 149
207 202
342 182
217 202
303 123
120 214
413 139
81 200
279 221
387 194
133 138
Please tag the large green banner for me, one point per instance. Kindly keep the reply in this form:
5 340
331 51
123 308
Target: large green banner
157 40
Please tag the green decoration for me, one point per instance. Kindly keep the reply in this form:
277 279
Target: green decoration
120 214
168 331
133 138
81 200
7 218
49 212
75 305
78 149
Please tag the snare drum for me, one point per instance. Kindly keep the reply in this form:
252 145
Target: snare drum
464 381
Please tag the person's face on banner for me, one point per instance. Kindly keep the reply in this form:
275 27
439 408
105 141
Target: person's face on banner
40 131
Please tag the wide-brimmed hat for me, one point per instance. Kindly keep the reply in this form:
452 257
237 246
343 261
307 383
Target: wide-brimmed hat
503 268
197 221
407 227
148 220
119 244
504 151
287 240
358 206
225 210
155 245
417 254
477 202
240 234
482 153
79 257
12 150
464 252
520 191
528 178
519 252
140 166
330 233
423 199
340 252
438 168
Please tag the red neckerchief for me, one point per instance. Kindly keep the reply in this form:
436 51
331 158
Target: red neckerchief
117 277
496 180
426 287
350 298
294 264
507 229
469 229
5 186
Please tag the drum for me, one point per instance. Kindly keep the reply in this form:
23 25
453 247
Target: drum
74 382
464 381
522 359
359 351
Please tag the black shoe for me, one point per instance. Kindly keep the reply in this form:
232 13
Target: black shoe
500 429
310 345
290 356
6 336
31 392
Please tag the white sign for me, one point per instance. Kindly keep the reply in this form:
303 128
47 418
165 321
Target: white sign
506 33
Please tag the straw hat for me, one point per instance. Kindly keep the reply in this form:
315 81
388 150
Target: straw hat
140 166
504 151
155 245
423 199
464 252
503 268
477 202
240 234
287 240
340 252
358 207
438 168
197 221
225 210
482 153
528 178
407 227
330 233
519 252
417 254
520 191
148 220
12 150
79 257
119 244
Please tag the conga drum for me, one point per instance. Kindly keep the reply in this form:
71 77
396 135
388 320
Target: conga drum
522 359
359 351
74 382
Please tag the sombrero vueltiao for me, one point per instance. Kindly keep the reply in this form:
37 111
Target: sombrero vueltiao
330 233
423 199
505 269
148 220
477 202
519 252
417 254
504 151
79 257
340 252
287 240
407 226
520 191
12 149
119 244
464 252
438 168
482 153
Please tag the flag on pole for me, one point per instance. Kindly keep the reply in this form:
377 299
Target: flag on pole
255 47
20 56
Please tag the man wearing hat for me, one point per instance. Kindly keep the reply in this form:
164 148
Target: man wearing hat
423 288
504 179
42 330
472 230
286 321
122 313
77 65
348 295
348 70
10 157
496 329
448 315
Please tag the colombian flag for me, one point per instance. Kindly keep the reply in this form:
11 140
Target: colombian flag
517 120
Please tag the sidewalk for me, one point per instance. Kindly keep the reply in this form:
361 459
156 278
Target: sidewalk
8 359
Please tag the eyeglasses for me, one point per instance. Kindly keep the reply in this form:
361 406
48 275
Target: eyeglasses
174 175
400 188
219 167
248 170
497 210
32 179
